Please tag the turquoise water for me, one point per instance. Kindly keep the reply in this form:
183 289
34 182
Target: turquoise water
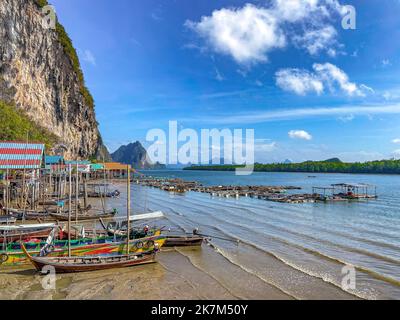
299 248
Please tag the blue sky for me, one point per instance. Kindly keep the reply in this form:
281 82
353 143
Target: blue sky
309 88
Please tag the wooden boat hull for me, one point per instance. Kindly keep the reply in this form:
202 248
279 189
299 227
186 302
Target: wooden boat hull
64 217
82 247
86 264
28 214
114 194
7 220
183 241
15 236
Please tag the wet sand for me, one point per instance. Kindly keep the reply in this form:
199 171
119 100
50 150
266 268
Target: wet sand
222 270
178 274
173 276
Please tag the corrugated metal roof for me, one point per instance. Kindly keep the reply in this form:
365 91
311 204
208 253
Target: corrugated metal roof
96 166
79 162
21 155
53 159
115 166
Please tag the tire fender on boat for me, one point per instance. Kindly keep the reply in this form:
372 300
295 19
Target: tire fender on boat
149 244
3 258
139 244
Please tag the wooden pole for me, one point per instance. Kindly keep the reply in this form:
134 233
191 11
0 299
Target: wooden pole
69 211
85 192
23 177
76 193
128 209
105 187
7 192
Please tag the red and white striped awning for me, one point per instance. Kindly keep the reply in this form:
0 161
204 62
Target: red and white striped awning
20 155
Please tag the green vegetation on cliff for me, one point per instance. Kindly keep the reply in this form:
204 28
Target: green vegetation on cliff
329 166
70 51
41 3
15 125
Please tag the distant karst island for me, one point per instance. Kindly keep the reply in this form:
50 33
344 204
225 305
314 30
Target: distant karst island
136 155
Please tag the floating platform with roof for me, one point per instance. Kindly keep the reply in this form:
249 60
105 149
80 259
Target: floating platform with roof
345 191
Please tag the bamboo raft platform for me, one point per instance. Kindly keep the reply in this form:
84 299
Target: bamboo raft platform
339 192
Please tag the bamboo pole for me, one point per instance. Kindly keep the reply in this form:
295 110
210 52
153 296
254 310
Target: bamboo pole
128 208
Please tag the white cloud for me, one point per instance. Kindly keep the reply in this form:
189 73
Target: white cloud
250 33
324 75
332 74
297 113
347 118
298 10
265 147
299 134
295 10
364 88
396 153
315 41
299 81
155 16
387 95
360 156
247 34
218 75
396 141
89 57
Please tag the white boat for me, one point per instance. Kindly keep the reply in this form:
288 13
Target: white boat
24 227
119 227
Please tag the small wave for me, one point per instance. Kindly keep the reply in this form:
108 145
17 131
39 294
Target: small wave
228 258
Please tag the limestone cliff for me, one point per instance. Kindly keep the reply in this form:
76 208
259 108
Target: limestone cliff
136 155
40 75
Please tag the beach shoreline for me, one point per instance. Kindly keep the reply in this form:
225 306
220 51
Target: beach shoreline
174 276
266 263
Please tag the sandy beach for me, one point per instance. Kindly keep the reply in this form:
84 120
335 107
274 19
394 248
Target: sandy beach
180 274
266 263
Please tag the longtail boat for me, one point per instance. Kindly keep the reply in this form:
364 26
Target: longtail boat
7 220
112 194
17 235
183 241
85 264
84 216
13 254
27 214
79 231
119 227
13 233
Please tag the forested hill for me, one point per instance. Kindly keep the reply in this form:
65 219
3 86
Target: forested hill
328 166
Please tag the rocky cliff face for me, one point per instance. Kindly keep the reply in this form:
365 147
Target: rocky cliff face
39 75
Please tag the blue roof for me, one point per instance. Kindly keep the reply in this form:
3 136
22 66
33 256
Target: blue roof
81 162
53 159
